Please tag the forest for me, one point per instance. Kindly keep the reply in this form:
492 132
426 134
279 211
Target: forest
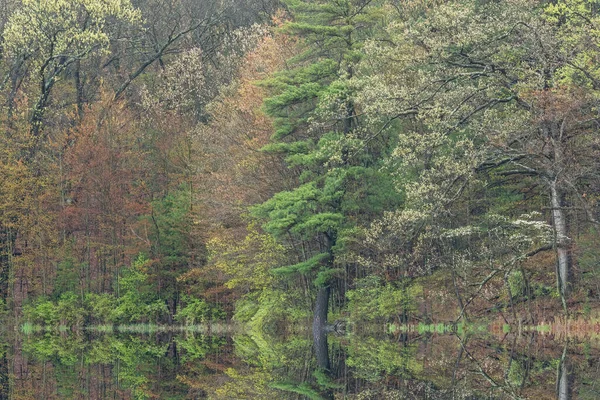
329 162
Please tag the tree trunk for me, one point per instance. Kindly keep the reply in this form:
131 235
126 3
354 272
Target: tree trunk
320 330
561 240
79 88
319 327
7 251
563 386
4 378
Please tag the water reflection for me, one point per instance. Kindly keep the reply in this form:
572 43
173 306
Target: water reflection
256 366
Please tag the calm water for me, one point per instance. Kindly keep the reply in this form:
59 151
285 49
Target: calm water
242 366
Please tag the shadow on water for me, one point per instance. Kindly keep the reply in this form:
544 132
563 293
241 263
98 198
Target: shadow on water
327 366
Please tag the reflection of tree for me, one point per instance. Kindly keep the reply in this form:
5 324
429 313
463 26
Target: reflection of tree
449 367
121 366
495 383
3 375
353 367
563 384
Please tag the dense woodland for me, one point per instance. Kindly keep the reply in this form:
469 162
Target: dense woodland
337 160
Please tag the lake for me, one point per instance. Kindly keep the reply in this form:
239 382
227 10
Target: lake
189 364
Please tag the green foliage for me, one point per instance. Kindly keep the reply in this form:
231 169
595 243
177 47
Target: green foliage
373 300
171 222
67 310
324 381
101 306
138 301
304 267
194 310
588 260
271 309
41 311
516 282
318 133
576 23
67 276
247 265
45 29
197 311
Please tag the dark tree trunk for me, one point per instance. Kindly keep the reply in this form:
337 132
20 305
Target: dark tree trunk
320 330
4 382
320 327
7 251
79 88
321 309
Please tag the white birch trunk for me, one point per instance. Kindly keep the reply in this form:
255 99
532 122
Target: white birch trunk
562 240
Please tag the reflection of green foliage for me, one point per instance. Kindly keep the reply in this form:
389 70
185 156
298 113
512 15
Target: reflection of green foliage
324 381
303 389
268 351
196 347
440 328
135 356
516 373
284 360
247 383
58 349
373 359
272 367
378 394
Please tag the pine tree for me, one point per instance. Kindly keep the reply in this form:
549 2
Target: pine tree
318 131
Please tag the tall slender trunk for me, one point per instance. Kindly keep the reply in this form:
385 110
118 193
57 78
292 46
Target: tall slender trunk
563 386
4 377
320 330
79 88
5 248
561 240
555 132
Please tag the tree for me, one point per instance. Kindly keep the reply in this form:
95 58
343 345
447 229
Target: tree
317 130
104 195
51 36
488 88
